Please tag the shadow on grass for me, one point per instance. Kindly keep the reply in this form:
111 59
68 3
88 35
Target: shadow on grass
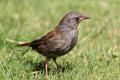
41 67
38 66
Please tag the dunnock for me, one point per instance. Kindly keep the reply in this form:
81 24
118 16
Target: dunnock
59 41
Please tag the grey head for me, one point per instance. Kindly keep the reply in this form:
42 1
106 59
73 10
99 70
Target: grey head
71 20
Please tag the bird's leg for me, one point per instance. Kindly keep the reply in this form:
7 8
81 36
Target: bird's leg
54 59
46 70
58 66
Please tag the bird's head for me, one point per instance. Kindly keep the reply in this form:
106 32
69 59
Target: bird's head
72 20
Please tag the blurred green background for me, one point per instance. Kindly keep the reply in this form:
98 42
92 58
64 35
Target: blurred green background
95 57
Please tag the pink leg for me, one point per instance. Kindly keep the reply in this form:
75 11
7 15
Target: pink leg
46 70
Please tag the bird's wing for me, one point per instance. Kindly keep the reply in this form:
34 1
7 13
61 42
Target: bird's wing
43 39
49 43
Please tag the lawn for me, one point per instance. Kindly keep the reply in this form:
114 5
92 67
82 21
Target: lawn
95 57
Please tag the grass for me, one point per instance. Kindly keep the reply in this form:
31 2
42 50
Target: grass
95 57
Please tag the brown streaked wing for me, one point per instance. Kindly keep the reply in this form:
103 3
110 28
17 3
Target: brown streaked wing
49 42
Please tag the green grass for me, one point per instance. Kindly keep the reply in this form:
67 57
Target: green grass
95 57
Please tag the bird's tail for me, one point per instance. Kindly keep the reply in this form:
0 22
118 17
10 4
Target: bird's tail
24 44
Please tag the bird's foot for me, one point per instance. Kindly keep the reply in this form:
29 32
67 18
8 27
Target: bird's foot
60 73
36 72
46 77
58 67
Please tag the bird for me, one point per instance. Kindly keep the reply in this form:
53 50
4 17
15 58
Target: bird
60 40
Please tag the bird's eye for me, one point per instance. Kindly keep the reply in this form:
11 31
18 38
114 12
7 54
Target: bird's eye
77 19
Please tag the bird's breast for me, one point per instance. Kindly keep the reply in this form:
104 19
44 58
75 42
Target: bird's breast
71 39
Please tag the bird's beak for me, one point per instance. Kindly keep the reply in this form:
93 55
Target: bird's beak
84 17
